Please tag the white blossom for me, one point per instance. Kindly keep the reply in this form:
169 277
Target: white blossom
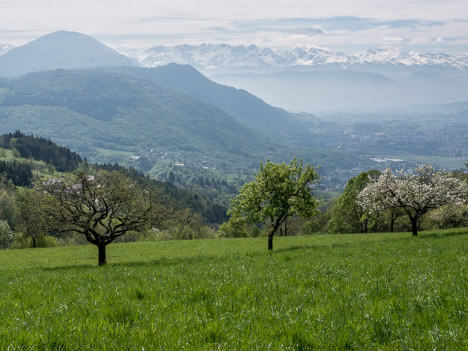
416 193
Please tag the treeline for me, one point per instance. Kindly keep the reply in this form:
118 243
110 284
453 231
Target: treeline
211 184
20 173
41 149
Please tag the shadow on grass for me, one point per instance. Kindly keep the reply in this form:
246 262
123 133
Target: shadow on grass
444 234
161 262
165 261
298 247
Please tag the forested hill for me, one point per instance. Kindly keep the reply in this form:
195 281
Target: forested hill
95 112
21 154
41 149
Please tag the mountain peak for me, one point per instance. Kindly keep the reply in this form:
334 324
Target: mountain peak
62 49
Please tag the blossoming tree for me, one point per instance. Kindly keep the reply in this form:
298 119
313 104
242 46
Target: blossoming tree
416 193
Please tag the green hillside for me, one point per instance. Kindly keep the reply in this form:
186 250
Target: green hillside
109 117
285 128
92 110
333 292
248 109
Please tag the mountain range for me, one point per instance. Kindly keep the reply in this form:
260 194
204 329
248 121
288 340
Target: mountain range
313 80
219 57
317 80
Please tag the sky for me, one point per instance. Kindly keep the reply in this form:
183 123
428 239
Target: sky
347 26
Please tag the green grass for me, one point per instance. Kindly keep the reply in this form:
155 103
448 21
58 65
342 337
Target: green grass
374 292
114 152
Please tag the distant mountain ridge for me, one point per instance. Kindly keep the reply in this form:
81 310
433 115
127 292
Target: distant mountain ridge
66 50
210 57
4 48
248 109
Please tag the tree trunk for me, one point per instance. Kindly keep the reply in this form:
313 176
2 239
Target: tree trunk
414 226
364 226
34 242
270 242
102 255
271 232
392 223
286 226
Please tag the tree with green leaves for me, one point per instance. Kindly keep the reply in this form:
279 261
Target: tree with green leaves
6 235
104 207
30 206
348 216
279 191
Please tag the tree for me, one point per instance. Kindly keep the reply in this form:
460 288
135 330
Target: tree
6 235
30 206
416 194
278 192
450 216
348 216
103 208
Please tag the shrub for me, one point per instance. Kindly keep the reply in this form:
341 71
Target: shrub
46 241
22 241
6 235
187 232
147 235
310 227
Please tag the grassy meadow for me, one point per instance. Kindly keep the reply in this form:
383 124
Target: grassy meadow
324 292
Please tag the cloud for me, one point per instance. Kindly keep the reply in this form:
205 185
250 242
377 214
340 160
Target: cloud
342 25
387 40
309 30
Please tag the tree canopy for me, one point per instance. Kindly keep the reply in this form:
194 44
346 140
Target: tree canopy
348 216
415 194
278 192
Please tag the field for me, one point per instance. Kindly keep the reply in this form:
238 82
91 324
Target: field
372 292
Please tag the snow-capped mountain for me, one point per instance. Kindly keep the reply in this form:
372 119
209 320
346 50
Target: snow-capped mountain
4 48
206 56
410 58
210 57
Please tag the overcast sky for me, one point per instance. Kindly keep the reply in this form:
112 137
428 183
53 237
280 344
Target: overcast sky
341 25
